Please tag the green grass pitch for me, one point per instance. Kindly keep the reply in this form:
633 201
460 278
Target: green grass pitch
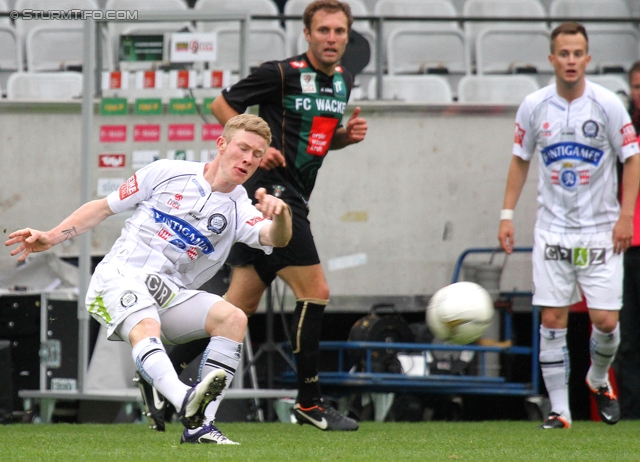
426 441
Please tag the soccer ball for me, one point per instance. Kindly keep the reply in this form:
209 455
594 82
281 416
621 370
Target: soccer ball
460 312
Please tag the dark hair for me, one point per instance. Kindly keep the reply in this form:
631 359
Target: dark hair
570 28
330 6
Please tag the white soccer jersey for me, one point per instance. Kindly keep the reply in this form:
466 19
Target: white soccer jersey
577 144
181 229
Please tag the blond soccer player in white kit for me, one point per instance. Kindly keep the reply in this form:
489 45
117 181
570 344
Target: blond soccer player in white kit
579 130
187 216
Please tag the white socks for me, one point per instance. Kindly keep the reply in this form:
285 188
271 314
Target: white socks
603 348
221 353
155 367
554 362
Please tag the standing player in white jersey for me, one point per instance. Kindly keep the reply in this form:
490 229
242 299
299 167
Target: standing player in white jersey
579 130
187 216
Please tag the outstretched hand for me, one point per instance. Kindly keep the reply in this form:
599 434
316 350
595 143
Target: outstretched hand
31 240
269 205
356 127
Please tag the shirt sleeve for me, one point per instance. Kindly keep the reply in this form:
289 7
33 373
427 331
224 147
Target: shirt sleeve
137 188
250 222
524 142
622 134
263 86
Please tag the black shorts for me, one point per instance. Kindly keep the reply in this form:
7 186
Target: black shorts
301 250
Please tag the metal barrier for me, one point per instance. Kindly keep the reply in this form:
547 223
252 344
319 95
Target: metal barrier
347 380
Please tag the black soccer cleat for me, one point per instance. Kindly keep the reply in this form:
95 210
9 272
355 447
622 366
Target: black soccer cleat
199 396
555 420
606 402
154 403
324 417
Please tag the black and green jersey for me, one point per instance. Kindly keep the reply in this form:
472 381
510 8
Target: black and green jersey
303 106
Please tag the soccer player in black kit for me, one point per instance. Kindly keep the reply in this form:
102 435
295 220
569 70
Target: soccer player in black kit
303 99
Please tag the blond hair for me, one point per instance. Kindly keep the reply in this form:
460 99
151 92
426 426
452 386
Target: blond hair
249 123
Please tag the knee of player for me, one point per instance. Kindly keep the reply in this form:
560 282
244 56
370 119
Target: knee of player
238 317
249 310
322 292
554 318
606 324
225 314
147 327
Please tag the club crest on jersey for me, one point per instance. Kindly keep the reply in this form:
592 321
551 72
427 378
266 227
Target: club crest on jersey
308 82
184 231
590 129
568 178
217 223
278 190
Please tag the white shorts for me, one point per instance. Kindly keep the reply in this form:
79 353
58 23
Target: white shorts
565 264
116 293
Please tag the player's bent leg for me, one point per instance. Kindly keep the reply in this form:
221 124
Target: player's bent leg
221 353
199 396
154 403
155 375
208 316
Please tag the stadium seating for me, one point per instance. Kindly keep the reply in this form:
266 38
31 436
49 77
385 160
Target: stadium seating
505 50
418 8
44 86
430 41
54 48
497 89
411 50
11 50
426 89
615 83
4 7
24 26
237 7
267 40
565 9
505 46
